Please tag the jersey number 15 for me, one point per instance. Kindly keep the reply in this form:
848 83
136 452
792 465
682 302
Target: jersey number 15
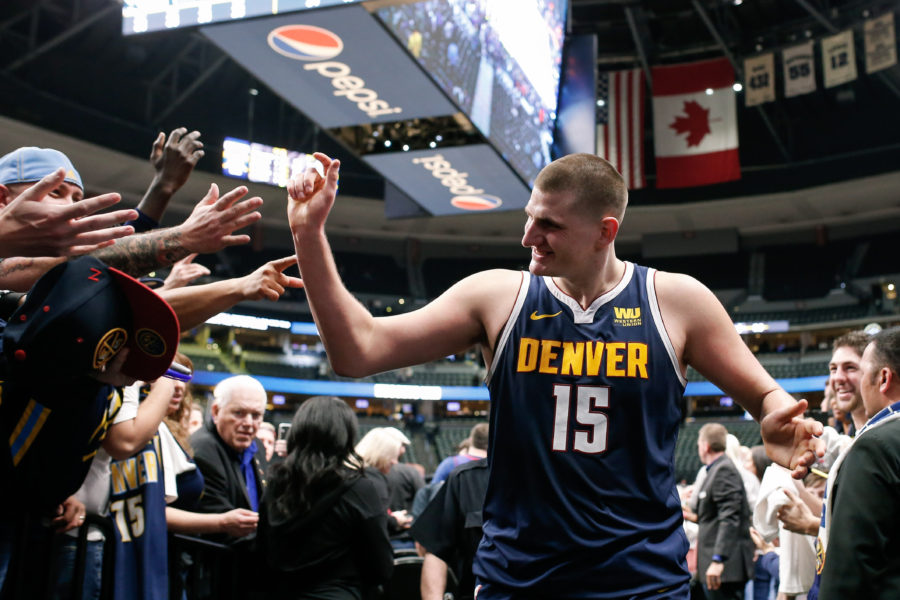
592 438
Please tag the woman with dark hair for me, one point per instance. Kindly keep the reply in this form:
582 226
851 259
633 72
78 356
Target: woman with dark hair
759 461
322 529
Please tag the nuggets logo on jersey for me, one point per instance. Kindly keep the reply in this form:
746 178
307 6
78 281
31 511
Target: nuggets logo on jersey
111 342
305 42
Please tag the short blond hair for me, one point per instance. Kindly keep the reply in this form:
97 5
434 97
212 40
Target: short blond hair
599 189
380 447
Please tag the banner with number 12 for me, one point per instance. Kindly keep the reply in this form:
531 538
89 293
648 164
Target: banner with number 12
838 58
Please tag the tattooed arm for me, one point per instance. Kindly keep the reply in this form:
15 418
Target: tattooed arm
209 228
19 273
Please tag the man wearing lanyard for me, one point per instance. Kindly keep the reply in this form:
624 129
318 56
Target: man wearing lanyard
863 523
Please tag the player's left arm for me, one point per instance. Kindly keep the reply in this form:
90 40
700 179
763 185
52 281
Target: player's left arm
705 338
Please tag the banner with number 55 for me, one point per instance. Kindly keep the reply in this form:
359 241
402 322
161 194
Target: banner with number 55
799 70
838 58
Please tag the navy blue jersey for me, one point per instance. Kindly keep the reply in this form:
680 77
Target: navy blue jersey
585 409
53 435
137 505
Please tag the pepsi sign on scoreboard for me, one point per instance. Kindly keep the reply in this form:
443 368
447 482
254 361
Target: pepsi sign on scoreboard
454 180
338 66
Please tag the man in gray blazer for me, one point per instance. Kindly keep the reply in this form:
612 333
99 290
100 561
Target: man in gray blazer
724 546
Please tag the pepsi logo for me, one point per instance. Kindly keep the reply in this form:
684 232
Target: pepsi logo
482 202
305 42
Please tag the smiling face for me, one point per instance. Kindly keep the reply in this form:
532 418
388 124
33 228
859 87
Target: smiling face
845 378
561 238
238 420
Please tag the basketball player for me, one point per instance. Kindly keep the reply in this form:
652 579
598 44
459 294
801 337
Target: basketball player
586 358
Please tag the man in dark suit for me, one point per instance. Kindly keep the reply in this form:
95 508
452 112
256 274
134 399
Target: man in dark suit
226 451
724 545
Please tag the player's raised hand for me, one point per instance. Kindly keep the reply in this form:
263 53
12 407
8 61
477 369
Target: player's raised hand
311 194
791 440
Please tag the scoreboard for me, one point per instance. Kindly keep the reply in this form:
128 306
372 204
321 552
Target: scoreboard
142 16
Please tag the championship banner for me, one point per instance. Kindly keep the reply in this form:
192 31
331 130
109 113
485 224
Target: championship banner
881 45
695 124
838 59
759 75
799 70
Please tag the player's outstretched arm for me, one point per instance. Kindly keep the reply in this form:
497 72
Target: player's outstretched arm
704 337
195 304
30 227
359 344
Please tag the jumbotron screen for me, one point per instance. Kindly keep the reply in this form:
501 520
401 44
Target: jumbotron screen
263 164
142 16
498 60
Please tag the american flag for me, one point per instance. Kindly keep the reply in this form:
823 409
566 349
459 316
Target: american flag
620 123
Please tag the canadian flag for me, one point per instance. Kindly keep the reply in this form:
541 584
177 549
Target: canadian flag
695 124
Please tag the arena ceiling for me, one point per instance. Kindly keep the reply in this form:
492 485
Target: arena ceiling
69 79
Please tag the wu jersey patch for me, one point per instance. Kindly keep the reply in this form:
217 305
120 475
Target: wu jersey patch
627 317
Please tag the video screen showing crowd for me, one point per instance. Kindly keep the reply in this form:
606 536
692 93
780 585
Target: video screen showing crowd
570 492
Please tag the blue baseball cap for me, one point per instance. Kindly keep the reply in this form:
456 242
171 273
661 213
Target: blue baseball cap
30 164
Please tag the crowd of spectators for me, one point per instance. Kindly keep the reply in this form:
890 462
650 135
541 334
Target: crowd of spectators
97 409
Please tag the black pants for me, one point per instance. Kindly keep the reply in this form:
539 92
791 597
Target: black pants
733 590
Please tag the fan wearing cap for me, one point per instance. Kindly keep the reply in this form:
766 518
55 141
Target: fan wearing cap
209 228
38 219
83 328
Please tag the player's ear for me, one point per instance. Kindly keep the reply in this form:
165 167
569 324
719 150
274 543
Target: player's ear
5 195
609 228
